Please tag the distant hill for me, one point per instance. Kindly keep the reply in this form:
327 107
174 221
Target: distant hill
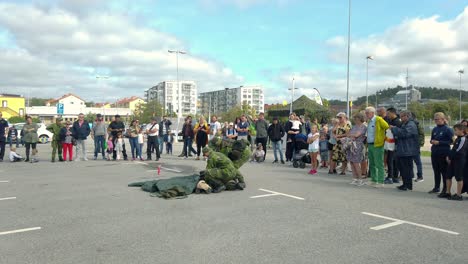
426 93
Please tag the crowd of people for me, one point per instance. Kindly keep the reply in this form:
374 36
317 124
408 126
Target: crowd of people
379 146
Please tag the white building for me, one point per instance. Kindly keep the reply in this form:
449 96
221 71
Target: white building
72 106
167 94
222 100
403 96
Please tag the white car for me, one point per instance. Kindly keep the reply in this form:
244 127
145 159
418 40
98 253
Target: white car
44 135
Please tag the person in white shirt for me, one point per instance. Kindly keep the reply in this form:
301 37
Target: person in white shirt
14 157
152 130
215 127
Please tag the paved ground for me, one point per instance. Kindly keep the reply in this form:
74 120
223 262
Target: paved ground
87 214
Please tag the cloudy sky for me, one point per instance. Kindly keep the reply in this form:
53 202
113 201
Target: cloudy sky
48 48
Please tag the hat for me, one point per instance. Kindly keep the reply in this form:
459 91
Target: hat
340 114
117 116
98 115
58 119
231 124
207 150
275 118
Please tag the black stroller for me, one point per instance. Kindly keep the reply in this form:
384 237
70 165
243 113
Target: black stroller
301 156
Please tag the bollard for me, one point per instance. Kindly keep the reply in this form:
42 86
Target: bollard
159 169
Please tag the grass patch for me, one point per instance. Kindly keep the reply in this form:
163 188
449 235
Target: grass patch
425 153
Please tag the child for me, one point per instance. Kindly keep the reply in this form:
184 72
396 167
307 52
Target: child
169 143
110 148
313 141
14 157
456 161
119 145
323 146
67 141
141 142
258 154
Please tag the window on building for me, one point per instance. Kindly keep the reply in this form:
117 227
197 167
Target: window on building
169 85
72 102
21 112
4 103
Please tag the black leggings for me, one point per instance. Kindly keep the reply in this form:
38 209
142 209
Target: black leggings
28 148
439 165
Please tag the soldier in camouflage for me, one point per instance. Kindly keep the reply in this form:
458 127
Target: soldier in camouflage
220 173
56 143
237 151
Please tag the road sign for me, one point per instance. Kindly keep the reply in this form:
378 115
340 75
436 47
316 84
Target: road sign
60 109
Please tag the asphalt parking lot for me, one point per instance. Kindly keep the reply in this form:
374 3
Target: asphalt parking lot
83 212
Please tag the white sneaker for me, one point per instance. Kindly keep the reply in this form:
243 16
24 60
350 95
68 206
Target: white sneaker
354 182
361 182
85 159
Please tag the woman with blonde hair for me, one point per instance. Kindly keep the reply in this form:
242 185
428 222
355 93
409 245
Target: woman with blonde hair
201 131
441 139
338 153
354 153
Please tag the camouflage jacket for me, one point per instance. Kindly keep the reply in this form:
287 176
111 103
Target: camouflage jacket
55 129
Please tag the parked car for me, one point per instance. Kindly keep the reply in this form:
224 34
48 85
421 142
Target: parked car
44 135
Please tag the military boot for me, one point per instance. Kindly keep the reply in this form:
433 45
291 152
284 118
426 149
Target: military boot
219 189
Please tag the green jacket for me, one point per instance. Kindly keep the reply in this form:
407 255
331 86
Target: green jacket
380 127
30 133
55 129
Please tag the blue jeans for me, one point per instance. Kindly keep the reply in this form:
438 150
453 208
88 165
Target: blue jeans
417 160
135 147
99 145
188 147
10 140
161 144
277 147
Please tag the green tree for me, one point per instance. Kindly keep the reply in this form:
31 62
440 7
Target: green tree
38 101
90 117
144 112
16 119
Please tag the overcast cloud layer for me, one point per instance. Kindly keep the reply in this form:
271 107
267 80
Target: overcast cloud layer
51 51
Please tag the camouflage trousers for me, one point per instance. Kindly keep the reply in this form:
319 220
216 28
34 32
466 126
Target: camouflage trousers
56 146
227 177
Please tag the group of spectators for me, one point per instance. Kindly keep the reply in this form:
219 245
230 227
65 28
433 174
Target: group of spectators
382 145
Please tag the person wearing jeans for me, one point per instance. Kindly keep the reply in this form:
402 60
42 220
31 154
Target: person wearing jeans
261 127
164 131
152 130
133 132
99 132
276 133
407 146
81 132
375 140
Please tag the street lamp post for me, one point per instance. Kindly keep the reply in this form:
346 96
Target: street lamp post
292 95
349 50
103 78
179 90
460 72
367 79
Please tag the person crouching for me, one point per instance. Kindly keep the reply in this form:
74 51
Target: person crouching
259 154
15 157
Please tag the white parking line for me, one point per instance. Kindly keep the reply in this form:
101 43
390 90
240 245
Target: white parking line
7 198
273 193
4 181
141 162
397 222
19 231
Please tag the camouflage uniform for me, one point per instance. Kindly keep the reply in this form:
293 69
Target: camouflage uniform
236 150
56 143
221 172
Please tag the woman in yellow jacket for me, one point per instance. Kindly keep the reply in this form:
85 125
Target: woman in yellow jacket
201 131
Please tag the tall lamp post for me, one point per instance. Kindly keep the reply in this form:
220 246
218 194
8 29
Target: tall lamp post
367 79
103 78
349 50
179 90
292 95
460 72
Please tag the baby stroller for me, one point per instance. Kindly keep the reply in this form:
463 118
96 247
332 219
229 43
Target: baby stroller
301 156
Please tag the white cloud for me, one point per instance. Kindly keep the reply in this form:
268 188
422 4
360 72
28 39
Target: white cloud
244 4
433 51
57 51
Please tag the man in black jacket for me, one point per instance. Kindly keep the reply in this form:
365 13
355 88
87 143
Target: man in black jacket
276 133
80 132
116 127
392 176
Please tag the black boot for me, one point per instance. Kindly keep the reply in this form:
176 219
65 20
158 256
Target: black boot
219 189
61 159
